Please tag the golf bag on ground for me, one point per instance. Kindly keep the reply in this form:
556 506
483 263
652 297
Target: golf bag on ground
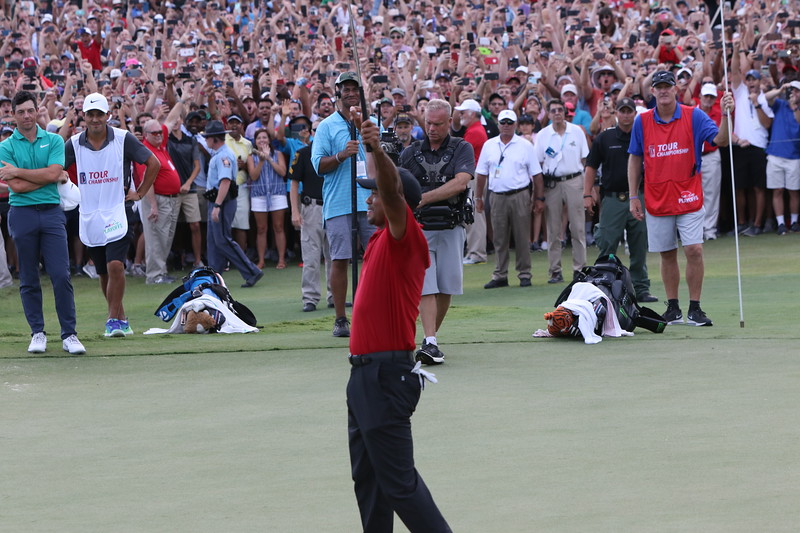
613 278
203 281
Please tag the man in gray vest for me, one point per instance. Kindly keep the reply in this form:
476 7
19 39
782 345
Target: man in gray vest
444 165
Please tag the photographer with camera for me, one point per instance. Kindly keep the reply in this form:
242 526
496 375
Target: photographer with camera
444 165
561 149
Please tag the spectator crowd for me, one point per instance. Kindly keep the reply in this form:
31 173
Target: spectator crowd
263 76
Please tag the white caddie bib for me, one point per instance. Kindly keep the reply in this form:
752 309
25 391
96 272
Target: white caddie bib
100 179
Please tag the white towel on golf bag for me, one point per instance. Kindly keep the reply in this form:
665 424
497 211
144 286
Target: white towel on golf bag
580 302
233 324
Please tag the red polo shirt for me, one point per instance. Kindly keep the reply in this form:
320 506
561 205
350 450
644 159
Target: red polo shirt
476 136
168 182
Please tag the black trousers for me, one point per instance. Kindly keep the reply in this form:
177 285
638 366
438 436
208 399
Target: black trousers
381 396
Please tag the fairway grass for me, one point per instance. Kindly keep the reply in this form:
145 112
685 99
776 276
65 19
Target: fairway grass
692 430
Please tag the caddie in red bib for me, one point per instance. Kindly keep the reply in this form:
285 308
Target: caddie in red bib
673 183
667 143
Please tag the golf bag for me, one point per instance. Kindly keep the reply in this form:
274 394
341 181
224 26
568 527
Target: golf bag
203 281
613 278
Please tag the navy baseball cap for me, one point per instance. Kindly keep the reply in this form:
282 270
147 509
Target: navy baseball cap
753 73
663 76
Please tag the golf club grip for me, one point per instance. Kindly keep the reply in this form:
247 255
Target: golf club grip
364 112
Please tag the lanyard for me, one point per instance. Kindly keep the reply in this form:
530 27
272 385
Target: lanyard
503 151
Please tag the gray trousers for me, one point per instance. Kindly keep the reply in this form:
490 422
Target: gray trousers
511 215
314 246
158 234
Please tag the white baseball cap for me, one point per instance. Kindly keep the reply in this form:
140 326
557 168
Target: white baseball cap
469 105
506 114
95 101
569 88
708 89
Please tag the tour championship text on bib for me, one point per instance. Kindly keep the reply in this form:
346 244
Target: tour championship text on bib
673 184
100 180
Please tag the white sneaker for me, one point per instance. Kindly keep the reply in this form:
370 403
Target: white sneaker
90 271
72 345
38 343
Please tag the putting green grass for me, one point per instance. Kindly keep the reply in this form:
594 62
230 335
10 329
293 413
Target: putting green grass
692 430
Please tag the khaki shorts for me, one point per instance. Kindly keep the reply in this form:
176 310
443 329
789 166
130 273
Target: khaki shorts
202 203
190 207
242 218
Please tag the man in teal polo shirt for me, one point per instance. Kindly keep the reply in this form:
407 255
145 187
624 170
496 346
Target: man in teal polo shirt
33 162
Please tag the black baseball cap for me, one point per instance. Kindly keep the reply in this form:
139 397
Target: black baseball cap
663 76
195 115
626 102
411 188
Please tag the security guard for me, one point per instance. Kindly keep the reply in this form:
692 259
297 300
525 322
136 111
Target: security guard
222 208
610 149
444 165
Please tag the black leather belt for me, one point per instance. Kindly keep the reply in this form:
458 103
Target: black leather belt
567 177
167 195
307 200
39 207
515 191
397 356
621 196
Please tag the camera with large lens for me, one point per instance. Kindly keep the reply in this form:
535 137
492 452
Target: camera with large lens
391 145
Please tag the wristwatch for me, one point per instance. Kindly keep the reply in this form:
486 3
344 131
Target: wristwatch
216 205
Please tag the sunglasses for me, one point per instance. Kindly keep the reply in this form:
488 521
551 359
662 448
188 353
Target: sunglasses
506 122
159 132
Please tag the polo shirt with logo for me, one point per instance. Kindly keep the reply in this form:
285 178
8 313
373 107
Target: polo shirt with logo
46 150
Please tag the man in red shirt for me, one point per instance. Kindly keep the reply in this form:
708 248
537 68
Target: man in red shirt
471 118
385 384
90 47
160 207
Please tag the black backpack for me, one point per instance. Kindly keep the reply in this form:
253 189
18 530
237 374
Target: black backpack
613 278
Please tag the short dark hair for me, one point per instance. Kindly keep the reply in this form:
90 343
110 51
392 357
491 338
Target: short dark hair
557 101
22 97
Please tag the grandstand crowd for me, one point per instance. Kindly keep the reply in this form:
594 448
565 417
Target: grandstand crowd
267 69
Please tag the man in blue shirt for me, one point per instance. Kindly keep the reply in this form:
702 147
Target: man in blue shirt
33 162
222 208
783 154
331 156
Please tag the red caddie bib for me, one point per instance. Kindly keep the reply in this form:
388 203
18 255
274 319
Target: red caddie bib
673 184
